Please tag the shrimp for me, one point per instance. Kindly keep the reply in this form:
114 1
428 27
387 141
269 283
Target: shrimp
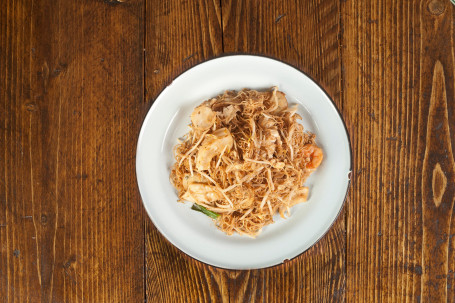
315 154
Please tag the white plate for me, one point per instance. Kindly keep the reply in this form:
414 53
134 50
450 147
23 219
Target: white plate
194 233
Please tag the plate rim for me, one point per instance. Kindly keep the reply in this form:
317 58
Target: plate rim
332 103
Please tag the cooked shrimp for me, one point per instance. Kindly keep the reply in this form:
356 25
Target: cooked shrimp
315 155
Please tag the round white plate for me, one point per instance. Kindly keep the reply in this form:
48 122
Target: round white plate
194 233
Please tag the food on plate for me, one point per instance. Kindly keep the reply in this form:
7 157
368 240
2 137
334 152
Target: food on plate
245 158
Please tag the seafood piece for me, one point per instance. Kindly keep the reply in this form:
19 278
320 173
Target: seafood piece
301 195
315 154
228 113
190 179
203 117
282 102
202 192
214 144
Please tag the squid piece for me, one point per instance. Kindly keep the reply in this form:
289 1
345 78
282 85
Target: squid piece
188 180
272 139
228 113
266 122
282 102
301 195
201 192
213 145
203 117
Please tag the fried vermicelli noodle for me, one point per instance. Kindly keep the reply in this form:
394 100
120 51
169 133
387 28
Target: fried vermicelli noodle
245 158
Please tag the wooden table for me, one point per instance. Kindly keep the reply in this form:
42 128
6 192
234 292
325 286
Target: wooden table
77 78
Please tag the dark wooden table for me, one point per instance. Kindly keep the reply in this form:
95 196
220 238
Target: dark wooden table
77 78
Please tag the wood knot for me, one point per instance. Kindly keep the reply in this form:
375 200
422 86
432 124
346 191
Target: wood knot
279 18
31 106
43 219
44 74
71 260
436 7
114 2
439 183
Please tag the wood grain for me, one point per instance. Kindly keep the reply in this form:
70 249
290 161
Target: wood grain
71 219
306 35
438 198
398 63
253 27
77 78
180 34
302 33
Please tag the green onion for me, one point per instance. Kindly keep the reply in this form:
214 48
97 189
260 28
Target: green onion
205 211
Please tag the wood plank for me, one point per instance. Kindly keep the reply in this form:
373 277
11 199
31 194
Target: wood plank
306 35
173 36
398 62
301 33
71 90
179 35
